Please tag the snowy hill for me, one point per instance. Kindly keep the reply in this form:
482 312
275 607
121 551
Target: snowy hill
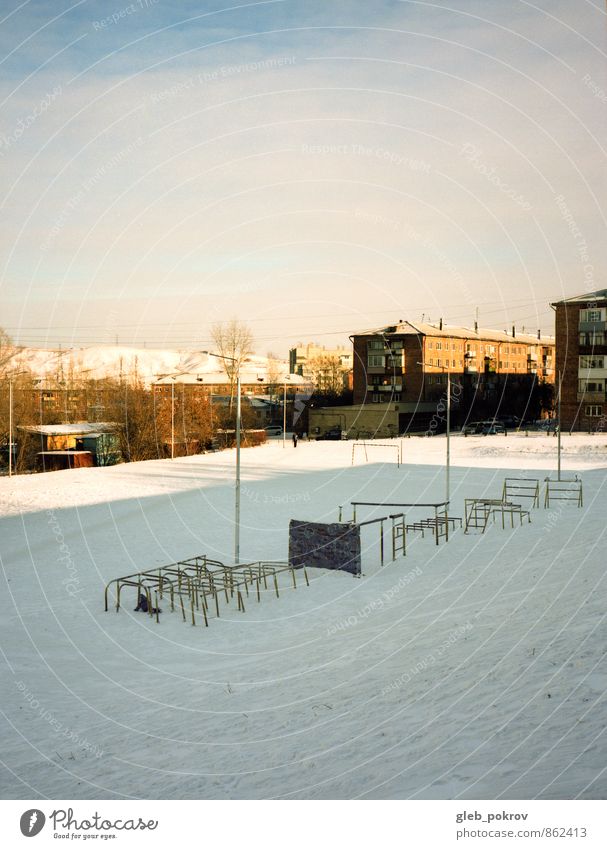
111 361
476 669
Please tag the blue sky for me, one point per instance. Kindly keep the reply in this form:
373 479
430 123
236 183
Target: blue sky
314 168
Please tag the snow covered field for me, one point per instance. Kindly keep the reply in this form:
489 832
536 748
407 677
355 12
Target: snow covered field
475 669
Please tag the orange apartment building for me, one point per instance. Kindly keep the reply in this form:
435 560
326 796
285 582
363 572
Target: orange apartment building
406 365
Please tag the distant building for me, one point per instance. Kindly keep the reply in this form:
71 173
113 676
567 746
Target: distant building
262 393
322 366
581 360
70 446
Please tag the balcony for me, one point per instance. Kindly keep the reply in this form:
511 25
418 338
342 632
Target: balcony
592 326
591 397
380 387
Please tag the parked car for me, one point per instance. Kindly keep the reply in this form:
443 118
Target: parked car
273 430
490 428
332 433
472 428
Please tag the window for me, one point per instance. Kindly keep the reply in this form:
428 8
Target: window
591 386
594 410
376 345
595 337
439 346
591 362
438 362
396 396
430 345
452 363
375 361
376 398
592 315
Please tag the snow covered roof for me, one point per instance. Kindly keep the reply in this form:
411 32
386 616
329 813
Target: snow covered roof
215 378
599 295
75 429
408 328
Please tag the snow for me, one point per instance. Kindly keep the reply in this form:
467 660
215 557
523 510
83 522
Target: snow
475 669
151 364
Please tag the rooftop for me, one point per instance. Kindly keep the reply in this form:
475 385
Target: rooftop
405 328
75 429
217 378
599 295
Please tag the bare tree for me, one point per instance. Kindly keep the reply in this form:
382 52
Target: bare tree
327 374
234 340
7 351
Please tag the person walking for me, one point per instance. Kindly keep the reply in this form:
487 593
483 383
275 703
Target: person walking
294 440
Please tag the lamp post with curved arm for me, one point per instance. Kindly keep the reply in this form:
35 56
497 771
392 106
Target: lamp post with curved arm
238 428
10 419
448 457
286 379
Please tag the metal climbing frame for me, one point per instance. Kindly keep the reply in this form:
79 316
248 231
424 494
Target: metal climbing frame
440 524
478 511
201 582
564 490
522 488
398 530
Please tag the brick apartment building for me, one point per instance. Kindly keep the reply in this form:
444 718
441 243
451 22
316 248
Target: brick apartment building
406 365
581 359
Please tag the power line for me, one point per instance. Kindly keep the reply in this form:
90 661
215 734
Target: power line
522 302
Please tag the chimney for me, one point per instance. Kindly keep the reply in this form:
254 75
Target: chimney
539 334
440 324
513 332
476 326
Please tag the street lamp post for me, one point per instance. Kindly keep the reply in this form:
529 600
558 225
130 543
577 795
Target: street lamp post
287 377
10 420
448 457
284 416
10 427
448 468
172 418
238 429
558 425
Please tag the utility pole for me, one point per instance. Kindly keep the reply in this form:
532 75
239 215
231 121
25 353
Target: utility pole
10 427
238 430
558 447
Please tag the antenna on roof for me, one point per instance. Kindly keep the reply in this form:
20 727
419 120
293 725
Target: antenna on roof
423 317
